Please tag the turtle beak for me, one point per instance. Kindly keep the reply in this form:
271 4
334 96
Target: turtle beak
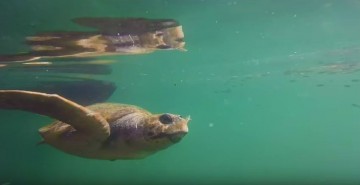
182 124
178 129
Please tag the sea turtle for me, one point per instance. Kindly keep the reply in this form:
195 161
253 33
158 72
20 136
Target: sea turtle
106 131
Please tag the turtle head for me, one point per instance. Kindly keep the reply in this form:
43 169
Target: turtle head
172 38
136 133
167 38
164 130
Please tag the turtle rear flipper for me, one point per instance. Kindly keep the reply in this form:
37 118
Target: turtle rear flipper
55 106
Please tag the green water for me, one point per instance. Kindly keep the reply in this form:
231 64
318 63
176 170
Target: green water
272 87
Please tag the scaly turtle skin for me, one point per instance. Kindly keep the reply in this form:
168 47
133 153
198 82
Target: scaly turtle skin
102 131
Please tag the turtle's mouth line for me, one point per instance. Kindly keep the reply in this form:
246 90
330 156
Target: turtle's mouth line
177 136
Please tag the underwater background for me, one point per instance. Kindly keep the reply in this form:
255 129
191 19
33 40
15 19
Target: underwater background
272 87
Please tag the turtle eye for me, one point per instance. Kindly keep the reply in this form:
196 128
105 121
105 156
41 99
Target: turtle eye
166 119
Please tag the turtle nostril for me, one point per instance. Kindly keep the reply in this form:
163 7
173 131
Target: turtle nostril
166 119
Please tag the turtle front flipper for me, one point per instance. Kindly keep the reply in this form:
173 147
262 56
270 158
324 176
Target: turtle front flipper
82 119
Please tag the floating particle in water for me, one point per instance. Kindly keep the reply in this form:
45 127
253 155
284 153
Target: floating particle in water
347 85
211 124
292 81
355 80
320 85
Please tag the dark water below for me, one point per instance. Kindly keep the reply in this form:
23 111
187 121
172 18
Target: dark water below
272 87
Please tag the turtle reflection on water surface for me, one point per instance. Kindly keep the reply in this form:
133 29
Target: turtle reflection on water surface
113 36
